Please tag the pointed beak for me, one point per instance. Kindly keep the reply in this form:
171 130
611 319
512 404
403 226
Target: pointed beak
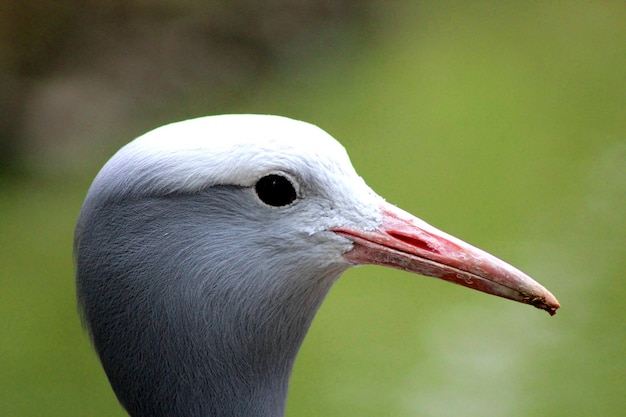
405 242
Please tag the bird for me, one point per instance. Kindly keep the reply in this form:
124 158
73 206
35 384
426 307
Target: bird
204 248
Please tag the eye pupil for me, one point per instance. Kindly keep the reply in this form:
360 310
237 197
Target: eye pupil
275 190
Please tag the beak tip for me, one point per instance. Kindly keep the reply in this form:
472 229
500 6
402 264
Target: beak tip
545 302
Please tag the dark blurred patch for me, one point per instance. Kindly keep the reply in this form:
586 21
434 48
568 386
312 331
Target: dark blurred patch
80 78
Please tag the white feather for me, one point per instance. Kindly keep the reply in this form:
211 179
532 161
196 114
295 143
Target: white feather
196 154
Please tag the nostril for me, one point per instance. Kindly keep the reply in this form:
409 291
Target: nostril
413 241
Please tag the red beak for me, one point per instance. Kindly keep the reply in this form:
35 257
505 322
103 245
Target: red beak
405 242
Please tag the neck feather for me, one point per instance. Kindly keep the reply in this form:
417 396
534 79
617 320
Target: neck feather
181 333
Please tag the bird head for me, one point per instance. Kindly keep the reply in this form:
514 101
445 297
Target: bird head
218 238
300 196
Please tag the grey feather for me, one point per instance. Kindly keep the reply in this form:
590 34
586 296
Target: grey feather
182 326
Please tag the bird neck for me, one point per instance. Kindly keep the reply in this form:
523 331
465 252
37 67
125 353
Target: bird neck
186 327
208 350
244 371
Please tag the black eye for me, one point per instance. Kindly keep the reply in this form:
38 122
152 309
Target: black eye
275 190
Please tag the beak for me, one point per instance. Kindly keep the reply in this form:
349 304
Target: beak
405 242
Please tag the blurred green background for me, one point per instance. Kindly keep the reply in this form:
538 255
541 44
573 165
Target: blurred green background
503 123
